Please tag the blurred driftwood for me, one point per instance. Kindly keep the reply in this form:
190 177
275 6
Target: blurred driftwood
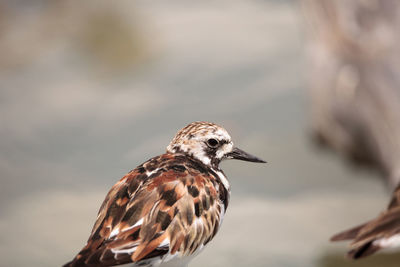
354 52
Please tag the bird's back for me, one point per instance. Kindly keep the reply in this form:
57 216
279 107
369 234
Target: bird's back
165 210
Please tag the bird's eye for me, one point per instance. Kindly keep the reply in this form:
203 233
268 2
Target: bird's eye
213 143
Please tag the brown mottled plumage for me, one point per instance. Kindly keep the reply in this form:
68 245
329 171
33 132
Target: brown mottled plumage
381 232
167 209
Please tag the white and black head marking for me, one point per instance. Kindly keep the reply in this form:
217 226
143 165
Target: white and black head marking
208 143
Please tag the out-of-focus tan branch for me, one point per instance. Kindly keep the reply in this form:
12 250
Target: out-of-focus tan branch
354 78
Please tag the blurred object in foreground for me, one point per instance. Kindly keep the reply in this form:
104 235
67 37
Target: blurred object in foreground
356 98
355 87
379 233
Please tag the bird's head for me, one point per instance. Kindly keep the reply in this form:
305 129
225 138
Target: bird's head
208 143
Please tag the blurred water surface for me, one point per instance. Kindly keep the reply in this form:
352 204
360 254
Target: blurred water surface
89 90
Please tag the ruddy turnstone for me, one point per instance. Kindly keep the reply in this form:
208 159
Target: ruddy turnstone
381 232
166 210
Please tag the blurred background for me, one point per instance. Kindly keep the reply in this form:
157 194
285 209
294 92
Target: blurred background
91 89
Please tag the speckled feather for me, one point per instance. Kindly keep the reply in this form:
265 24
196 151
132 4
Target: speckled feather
167 209
381 232
170 206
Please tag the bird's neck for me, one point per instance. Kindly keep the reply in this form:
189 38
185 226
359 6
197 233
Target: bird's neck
212 165
221 176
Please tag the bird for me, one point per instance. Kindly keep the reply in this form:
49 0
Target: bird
166 210
383 232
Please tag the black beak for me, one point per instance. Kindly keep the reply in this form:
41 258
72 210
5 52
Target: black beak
241 155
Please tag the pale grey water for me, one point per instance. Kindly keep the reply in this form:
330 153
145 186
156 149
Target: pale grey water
74 120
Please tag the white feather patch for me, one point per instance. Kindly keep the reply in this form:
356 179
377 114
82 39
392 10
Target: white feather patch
164 243
116 230
140 222
203 158
153 171
224 180
390 242
225 149
128 250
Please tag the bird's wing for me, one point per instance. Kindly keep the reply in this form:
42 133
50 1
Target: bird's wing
154 215
395 201
348 234
382 232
